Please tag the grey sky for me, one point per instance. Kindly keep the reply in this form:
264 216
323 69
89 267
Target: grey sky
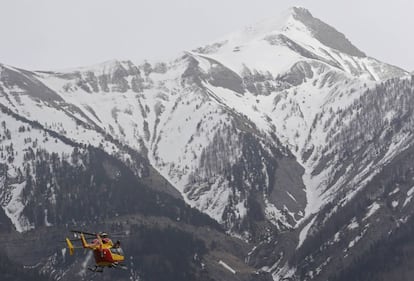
50 34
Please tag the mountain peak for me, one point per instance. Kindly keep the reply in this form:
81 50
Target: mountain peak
297 10
325 33
296 23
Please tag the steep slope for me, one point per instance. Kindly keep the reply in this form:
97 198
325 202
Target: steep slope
368 182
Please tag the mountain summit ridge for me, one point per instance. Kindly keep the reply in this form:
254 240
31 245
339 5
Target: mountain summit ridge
289 19
326 34
277 43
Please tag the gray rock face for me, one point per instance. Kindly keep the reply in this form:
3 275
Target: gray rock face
280 39
288 190
113 78
298 74
221 76
210 48
326 34
27 82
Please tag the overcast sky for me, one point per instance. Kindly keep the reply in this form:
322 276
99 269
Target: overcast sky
53 34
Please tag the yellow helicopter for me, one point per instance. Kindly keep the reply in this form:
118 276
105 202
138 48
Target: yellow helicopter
106 253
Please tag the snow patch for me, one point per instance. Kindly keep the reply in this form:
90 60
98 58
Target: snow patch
63 251
394 191
337 237
274 214
14 208
407 200
410 193
47 223
226 266
353 242
371 210
304 232
284 273
354 224
85 263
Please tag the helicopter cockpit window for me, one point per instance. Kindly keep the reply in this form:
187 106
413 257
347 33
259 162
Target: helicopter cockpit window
117 251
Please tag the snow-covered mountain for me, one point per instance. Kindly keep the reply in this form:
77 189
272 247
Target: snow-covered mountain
273 131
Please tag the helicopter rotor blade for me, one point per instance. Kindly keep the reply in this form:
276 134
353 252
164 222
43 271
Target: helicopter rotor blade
113 235
119 235
83 232
74 239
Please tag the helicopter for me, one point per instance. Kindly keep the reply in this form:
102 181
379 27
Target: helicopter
106 253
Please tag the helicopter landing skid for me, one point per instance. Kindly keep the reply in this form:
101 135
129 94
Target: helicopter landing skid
96 269
119 266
